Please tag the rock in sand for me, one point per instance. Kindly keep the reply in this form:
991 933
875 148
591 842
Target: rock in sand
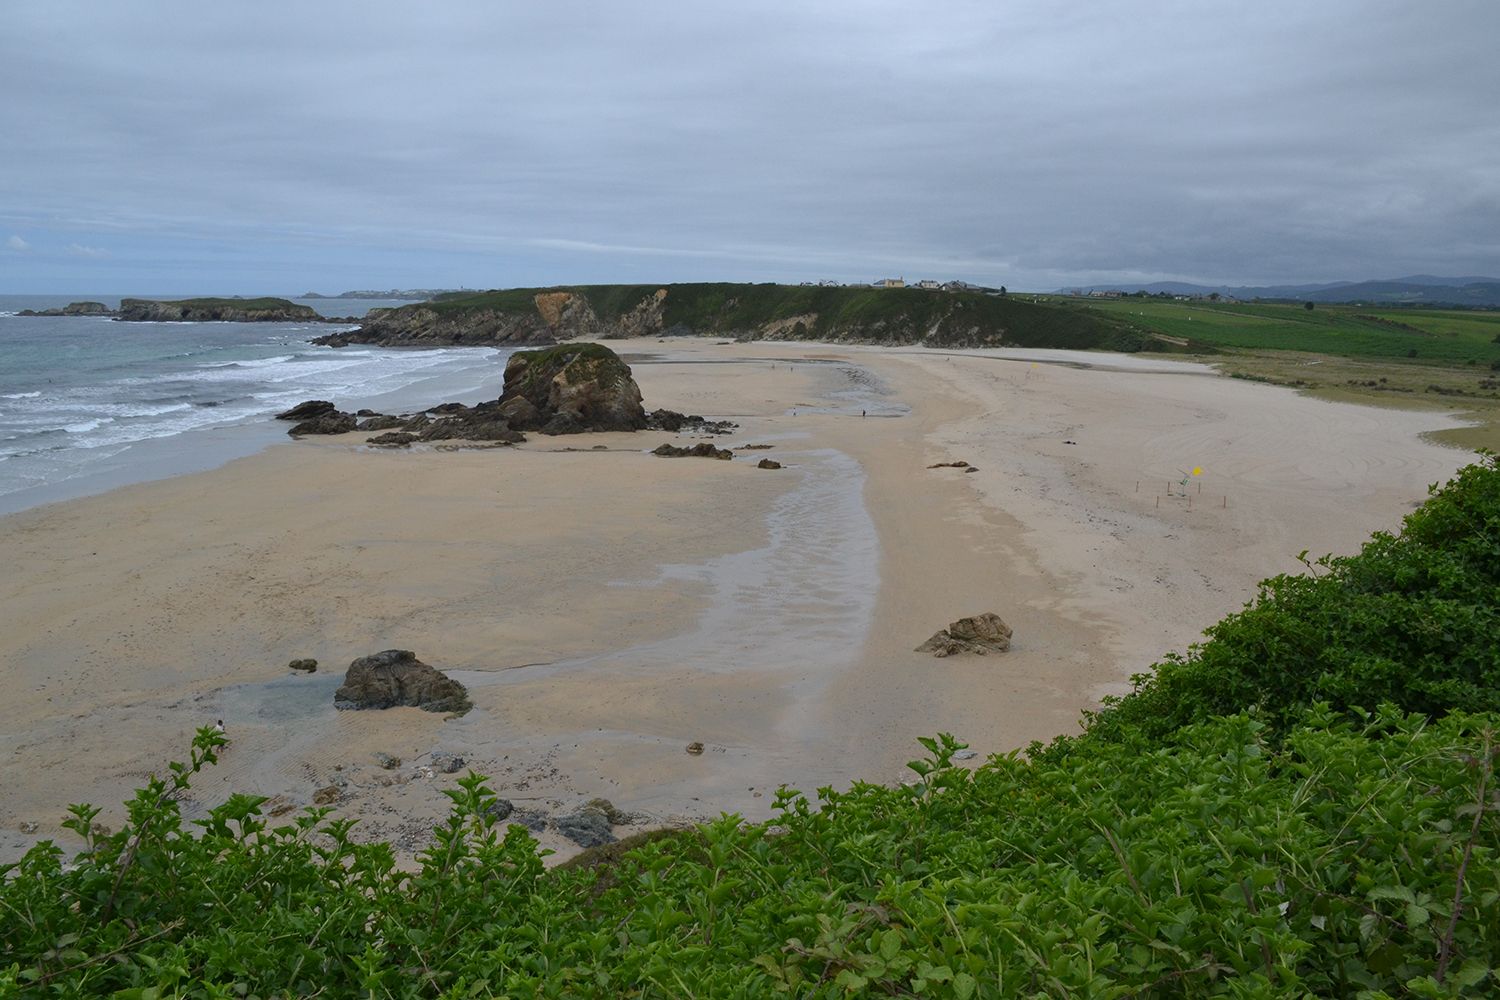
396 677
980 634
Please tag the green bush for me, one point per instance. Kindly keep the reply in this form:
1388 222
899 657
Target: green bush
1347 858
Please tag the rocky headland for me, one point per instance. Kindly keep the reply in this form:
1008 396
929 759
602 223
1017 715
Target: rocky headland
891 316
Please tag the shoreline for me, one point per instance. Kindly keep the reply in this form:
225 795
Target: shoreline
172 602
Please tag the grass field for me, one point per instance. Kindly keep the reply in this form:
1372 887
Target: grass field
1456 336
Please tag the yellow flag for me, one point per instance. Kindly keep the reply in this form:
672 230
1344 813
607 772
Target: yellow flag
1197 471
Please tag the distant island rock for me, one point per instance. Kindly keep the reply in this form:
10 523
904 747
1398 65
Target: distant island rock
72 309
414 294
264 310
848 314
231 310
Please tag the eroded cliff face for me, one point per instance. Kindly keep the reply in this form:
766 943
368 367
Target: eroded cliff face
555 316
566 314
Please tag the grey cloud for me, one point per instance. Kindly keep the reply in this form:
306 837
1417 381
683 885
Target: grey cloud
1021 143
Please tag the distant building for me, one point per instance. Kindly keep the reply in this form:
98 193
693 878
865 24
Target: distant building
891 283
1105 293
930 284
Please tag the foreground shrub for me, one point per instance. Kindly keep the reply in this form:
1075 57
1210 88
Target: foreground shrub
1348 859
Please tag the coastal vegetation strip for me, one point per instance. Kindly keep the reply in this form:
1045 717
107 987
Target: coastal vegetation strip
1451 336
1303 806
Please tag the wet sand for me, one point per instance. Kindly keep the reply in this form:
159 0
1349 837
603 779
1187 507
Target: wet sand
607 607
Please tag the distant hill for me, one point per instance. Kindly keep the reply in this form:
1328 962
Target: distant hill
415 294
748 311
1416 289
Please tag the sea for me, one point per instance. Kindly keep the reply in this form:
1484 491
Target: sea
88 404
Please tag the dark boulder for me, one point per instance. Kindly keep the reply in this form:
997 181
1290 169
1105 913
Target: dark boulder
586 827
308 410
673 423
472 427
328 423
395 678
767 463
702 450
666 420
381 422
391 439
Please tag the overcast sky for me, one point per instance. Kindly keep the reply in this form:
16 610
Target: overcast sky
278 147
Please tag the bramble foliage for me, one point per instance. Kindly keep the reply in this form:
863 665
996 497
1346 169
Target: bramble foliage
1413 620
1356 857
1304 849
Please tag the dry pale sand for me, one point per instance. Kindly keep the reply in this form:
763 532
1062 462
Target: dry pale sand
607 607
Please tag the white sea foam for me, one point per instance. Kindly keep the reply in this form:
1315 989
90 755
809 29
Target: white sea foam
72 429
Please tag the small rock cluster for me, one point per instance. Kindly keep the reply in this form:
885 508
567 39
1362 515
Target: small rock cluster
590 825
700 450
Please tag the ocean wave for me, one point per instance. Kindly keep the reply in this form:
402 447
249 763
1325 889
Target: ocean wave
85 426
254 363
18 395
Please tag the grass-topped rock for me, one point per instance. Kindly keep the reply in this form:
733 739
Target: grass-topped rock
569 389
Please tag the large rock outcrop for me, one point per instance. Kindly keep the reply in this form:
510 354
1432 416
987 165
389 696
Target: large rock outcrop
980 634
395 678
569 389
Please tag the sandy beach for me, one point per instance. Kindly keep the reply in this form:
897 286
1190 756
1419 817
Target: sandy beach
607 607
